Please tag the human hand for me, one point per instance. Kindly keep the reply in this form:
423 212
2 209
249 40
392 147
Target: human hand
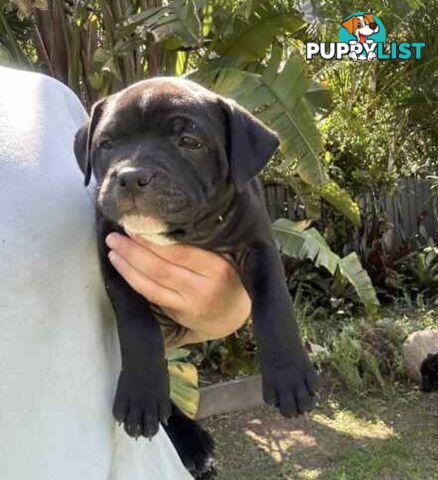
199 289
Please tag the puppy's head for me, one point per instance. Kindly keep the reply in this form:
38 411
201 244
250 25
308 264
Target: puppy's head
429 372
166 151
361 26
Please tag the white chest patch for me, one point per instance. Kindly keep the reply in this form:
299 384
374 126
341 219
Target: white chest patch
150 228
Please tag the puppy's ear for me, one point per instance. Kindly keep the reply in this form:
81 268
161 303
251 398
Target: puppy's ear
250 143
349 25
83 140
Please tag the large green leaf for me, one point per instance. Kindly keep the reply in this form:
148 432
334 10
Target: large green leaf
253 34
177 354
304 244
278 99
177 22
311 245
184 386
319 98
351 268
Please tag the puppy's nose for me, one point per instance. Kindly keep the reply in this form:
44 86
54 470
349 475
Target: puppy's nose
373 26
133 179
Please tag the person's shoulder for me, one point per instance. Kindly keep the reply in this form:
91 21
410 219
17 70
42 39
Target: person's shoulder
19 75
14 82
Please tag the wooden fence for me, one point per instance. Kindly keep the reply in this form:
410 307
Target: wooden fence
412 210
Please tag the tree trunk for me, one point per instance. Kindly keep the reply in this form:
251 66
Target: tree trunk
155 56
50 39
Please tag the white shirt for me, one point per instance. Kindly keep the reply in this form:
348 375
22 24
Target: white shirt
59 354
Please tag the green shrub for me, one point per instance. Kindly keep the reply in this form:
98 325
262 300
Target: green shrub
367 356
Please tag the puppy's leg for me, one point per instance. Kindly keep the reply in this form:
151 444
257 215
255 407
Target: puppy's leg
289 379
142 397
193 444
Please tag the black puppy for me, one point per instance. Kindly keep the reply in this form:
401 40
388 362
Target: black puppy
429 373
175 162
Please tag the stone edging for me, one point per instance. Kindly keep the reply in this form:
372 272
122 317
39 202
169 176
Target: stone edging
227 397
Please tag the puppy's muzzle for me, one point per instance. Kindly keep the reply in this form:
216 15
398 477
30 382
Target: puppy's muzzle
148 189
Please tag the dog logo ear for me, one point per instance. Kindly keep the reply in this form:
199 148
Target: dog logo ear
369 17
349 25
250 143
83 140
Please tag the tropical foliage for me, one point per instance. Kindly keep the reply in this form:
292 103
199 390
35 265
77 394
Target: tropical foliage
298 242
383 123
183 381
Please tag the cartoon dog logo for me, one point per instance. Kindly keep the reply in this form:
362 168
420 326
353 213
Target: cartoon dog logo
361 26
362 37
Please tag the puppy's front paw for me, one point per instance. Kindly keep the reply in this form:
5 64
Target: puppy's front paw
289 382
142 402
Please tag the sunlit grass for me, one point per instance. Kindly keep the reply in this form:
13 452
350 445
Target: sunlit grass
345 438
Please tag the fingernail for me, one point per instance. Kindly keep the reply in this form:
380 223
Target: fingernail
113 257
112 240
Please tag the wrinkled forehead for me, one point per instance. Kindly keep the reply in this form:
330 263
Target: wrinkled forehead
153 101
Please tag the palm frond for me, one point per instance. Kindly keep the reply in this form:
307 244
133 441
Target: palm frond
253 35
278 99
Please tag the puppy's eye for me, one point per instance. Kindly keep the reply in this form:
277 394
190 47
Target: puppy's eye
189 142
106 145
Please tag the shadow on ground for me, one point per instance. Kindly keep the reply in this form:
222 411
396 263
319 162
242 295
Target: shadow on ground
345 438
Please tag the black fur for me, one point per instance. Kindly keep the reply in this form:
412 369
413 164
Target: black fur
195 446
429 373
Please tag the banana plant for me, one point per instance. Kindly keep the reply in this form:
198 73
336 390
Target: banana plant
297 241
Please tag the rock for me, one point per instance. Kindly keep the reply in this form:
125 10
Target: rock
416 348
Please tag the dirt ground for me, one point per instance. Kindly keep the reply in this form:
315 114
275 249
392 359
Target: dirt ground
345 438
